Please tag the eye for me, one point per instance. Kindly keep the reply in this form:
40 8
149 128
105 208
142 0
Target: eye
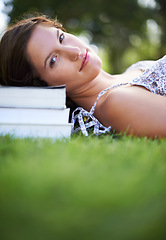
61 37
52 61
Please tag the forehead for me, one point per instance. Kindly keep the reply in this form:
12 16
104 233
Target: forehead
41 37
40 44
42 31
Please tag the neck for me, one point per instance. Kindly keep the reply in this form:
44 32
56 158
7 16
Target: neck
86 95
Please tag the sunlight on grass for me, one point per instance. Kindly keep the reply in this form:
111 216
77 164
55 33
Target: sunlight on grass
105 187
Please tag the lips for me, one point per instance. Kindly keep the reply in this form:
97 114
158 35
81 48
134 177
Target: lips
84 60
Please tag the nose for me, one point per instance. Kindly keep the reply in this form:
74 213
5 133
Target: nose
71 52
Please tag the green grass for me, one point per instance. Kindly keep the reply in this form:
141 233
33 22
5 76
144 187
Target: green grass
85 188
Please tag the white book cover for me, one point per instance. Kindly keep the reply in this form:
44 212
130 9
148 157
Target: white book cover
53 131
34 116
31 97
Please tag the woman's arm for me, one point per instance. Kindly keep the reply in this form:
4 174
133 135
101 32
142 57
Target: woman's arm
135 110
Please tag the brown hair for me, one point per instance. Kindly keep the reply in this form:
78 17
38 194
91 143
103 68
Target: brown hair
15 68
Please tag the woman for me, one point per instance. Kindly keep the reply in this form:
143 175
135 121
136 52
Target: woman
38 52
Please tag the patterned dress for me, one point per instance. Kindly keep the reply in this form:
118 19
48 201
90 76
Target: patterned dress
153 78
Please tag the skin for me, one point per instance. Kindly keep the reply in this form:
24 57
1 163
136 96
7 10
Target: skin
63 54
132 109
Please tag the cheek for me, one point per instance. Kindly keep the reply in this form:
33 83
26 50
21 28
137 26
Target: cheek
66 72
61 76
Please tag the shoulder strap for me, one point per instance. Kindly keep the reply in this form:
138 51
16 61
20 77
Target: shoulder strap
87 120
102 93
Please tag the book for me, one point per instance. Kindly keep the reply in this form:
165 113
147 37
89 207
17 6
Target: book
34 112
33 97
53 131
10 115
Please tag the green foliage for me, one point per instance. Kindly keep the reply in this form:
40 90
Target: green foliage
105 187
161 19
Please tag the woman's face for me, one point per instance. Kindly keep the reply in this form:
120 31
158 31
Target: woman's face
62 58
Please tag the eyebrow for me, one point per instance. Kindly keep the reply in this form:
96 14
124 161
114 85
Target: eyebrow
50 52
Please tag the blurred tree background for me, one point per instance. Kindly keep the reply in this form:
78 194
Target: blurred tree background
125 31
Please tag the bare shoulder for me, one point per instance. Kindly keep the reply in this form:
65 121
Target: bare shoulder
135 109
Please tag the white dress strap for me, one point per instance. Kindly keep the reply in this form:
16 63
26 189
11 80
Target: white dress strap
86 119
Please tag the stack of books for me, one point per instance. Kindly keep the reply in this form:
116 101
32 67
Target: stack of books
34 112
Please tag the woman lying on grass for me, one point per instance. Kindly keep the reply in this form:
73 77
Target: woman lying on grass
38 52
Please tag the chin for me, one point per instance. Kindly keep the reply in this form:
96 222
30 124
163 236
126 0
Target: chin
97 66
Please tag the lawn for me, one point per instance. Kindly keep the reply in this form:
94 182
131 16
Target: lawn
97 188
